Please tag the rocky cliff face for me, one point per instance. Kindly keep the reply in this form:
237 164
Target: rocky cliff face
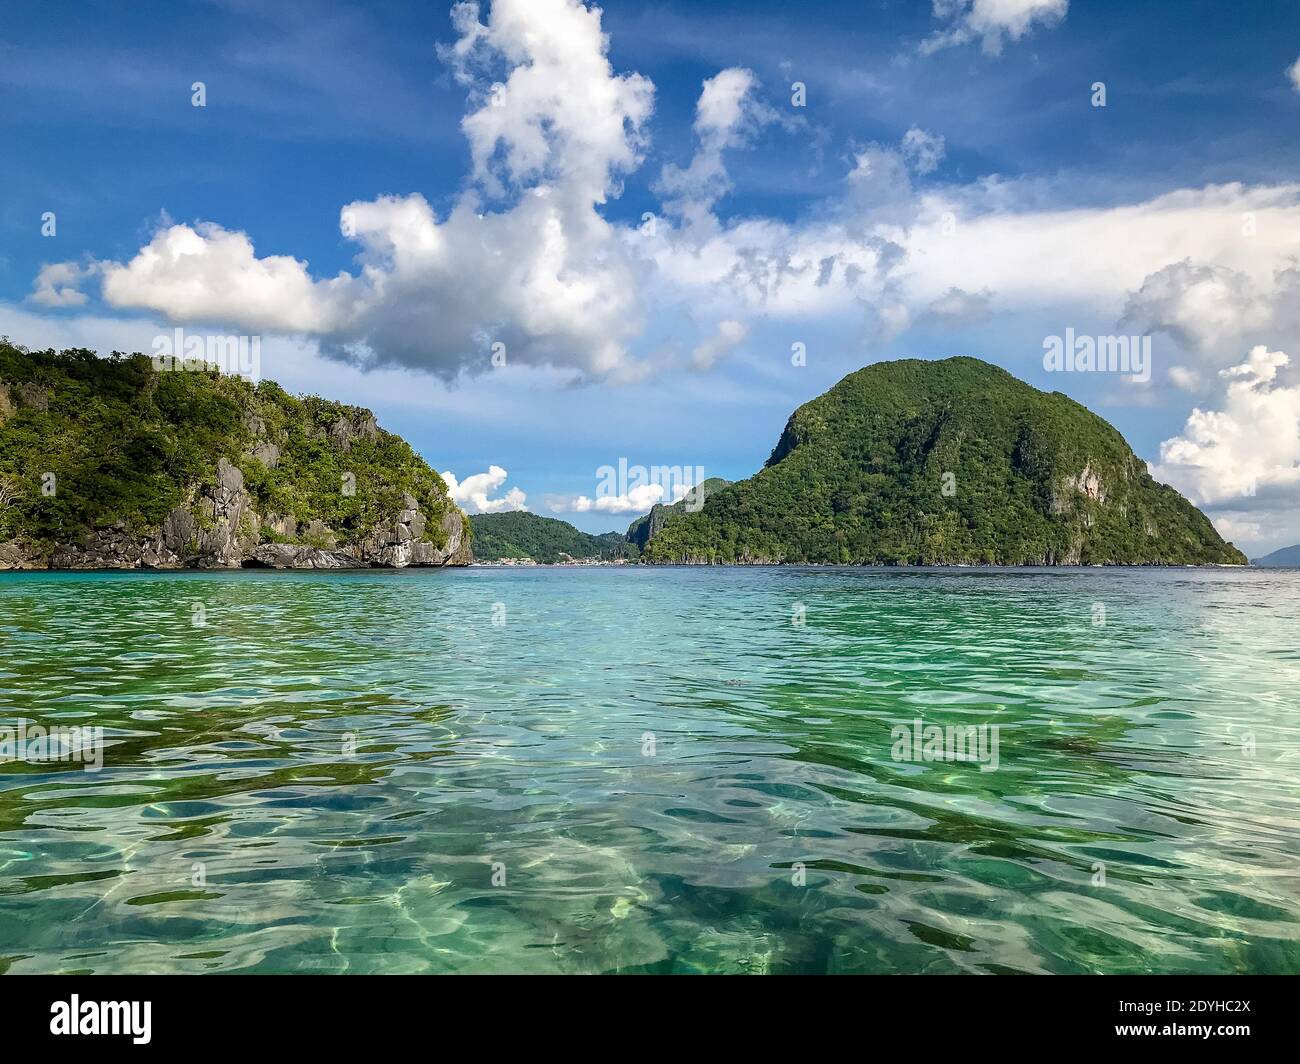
228 534
645 528
174 470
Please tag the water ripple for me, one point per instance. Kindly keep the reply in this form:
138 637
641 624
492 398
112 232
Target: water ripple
653 770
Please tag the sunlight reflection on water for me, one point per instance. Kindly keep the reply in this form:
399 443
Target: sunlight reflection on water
361 772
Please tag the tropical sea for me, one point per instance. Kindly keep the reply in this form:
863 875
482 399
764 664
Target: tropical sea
653 770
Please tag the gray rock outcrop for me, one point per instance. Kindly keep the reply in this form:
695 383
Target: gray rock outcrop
295 556
401 543
220 528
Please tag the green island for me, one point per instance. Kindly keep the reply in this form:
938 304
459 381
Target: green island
111 463
952 462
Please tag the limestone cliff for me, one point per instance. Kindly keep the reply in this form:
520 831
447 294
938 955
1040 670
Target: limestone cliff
646 527
111 463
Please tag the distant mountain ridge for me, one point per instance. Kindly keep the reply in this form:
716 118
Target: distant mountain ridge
945 462
1283 558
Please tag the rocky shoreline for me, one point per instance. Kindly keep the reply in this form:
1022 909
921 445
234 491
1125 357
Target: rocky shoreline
220 528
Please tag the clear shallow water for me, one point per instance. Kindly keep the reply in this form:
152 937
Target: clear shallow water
521 748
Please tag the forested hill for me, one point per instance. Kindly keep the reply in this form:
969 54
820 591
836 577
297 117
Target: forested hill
114 463
519 535
948 462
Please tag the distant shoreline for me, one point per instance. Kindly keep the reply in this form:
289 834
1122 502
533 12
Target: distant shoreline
850 565
828 566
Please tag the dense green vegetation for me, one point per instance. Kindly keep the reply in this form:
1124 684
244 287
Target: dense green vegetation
520 534
904 462
648 525
126 444
949 462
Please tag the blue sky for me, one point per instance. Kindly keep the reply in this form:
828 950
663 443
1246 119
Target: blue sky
948 187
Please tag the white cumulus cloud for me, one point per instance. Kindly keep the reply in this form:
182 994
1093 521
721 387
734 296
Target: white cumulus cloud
473 494
1211 309
523 263
991 22
727 114
1247 450
1102 258
207 273
637 501
545 274
561 114
58 285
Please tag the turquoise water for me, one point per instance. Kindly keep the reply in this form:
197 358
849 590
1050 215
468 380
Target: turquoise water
661 770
